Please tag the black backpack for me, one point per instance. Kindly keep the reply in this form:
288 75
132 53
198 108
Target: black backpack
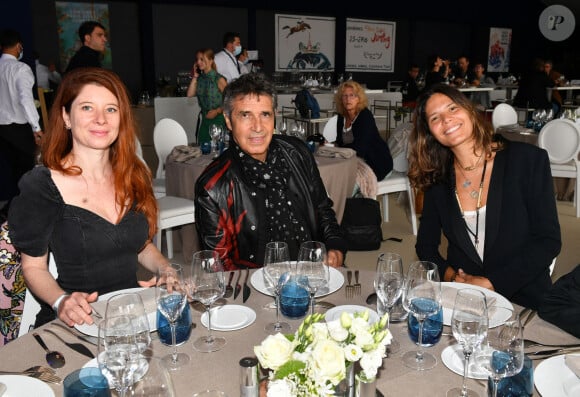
307 105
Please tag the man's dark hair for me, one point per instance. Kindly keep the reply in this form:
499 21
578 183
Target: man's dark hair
229 37
249 84
9 38
87 27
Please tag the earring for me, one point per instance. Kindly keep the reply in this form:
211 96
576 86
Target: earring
67 126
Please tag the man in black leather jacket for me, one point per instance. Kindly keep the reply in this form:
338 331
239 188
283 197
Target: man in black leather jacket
264 187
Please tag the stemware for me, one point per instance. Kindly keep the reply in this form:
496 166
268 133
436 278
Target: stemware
276 263
131 304
215 132
171 298
283 127
312 264
207 286
421 297
118 355
388 283
156 382
469 323
502 353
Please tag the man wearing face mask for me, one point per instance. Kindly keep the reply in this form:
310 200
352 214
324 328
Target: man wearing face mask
20 130
225 60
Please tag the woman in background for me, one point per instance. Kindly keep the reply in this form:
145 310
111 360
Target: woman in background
91 203
208 86
356 128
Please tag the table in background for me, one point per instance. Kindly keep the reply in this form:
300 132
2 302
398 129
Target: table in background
200 374
508 88
338 176
475 89
568 89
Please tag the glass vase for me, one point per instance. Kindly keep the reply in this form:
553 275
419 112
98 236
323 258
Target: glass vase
346 386
364 387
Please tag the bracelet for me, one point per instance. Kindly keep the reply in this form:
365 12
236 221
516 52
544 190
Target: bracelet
58 301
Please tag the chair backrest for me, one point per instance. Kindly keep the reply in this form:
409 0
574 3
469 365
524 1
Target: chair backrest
561 139
503 114
31 305
167 134
139 149
329 131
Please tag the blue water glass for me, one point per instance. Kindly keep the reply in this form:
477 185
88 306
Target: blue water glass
295 298
205 147
432 328
519 385
182 330
86 382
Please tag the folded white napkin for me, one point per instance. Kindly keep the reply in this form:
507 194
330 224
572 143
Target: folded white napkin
182 153
573 362
327 151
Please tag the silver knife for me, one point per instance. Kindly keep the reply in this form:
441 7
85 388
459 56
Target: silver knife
247 288
90 339
238 286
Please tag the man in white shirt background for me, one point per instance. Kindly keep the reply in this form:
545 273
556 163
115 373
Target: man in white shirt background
225 60
45 75
20 130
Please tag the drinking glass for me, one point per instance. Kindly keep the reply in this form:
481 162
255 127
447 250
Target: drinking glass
156 382
283 127
171 298
276 263
207 286
215 132
421 297
118 355
502 353
469 323
294 295
131 304
312 264
388 283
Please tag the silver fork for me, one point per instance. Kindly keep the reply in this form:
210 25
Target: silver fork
356 285
42 375
349 289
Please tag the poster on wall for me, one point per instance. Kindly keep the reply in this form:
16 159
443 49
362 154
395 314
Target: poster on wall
498 59
69 17
370 46
304 43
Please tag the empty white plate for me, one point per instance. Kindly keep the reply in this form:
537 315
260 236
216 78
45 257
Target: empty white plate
229 317
25 386
452 357
335 312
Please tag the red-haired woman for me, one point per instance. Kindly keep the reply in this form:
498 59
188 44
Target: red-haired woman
91 202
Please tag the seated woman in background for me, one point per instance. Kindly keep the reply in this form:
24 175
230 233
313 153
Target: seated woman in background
493 200
356 129
91 203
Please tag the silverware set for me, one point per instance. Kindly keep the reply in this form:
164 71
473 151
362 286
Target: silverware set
351 289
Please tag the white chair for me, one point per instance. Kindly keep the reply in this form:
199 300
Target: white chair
503 114
31 305
561 139
397 180
167 134
173 211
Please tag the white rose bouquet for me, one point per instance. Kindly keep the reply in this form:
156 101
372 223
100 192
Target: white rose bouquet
314 360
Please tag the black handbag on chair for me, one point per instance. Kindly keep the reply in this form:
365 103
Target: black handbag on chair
361 224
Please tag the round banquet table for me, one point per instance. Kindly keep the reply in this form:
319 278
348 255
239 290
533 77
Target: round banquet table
220 370
338 176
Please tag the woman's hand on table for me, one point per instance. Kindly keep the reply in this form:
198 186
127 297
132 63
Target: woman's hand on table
76 309
480 281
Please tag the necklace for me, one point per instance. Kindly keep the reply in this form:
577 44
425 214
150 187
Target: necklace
470 167
85 199
467 182
477 207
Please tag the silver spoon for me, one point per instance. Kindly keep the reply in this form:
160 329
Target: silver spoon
53 358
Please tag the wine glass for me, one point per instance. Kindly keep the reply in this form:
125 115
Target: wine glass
388 283
156 382
207 286
118 355
131 304
502 353
469 323
312 264
283 127
171 298
421 297
276 263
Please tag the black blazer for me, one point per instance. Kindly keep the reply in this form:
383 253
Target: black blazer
522 232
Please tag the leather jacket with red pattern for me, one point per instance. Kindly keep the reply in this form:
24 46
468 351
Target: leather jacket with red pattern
230 211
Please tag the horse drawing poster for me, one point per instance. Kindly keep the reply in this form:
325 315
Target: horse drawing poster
370 46
304 43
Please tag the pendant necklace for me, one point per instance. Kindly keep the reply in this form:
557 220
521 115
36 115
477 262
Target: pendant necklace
85 199
477 207
466 183
470 167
